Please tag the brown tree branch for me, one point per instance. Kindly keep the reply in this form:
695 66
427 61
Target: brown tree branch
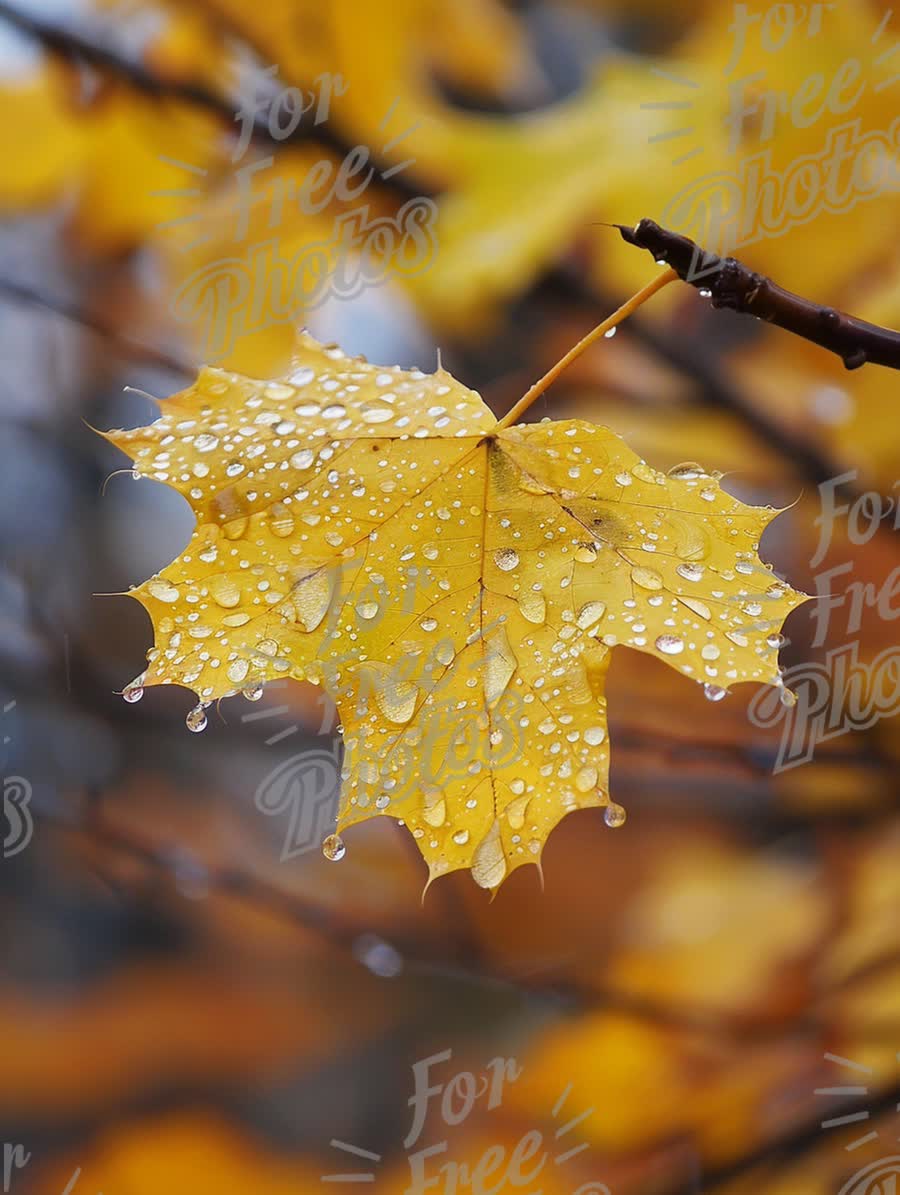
729 284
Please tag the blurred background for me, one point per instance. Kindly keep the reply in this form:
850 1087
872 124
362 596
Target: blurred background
192 1001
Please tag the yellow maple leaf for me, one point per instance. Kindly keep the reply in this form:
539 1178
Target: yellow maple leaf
455 583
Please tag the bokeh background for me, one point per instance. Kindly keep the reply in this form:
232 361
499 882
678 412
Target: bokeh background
181 1010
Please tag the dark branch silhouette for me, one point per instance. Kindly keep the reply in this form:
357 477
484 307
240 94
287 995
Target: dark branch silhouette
730 284
70 46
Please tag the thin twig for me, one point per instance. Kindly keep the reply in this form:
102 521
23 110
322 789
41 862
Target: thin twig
603 329
717 390
13 289
730 284
70 45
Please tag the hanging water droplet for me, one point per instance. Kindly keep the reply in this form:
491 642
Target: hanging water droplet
253 691
714 692
333 848
671 645
788 698
775 640
614 815
134 691
610 333
196 719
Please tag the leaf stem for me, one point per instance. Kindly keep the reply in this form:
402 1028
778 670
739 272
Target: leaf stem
610 322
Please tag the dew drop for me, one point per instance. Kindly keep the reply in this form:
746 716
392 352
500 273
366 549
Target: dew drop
714 692
367 610
444 653
670 645
435 811
377 415
333 848
396 699
253 691
699 608
225 592
312 598
646 578
788 698
586 780
163 591
614 815
687 471
533 606
461 837
690 572
775 640
506 559
134 691
500 664
237 670
647 473
196 719
303 459
589 615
